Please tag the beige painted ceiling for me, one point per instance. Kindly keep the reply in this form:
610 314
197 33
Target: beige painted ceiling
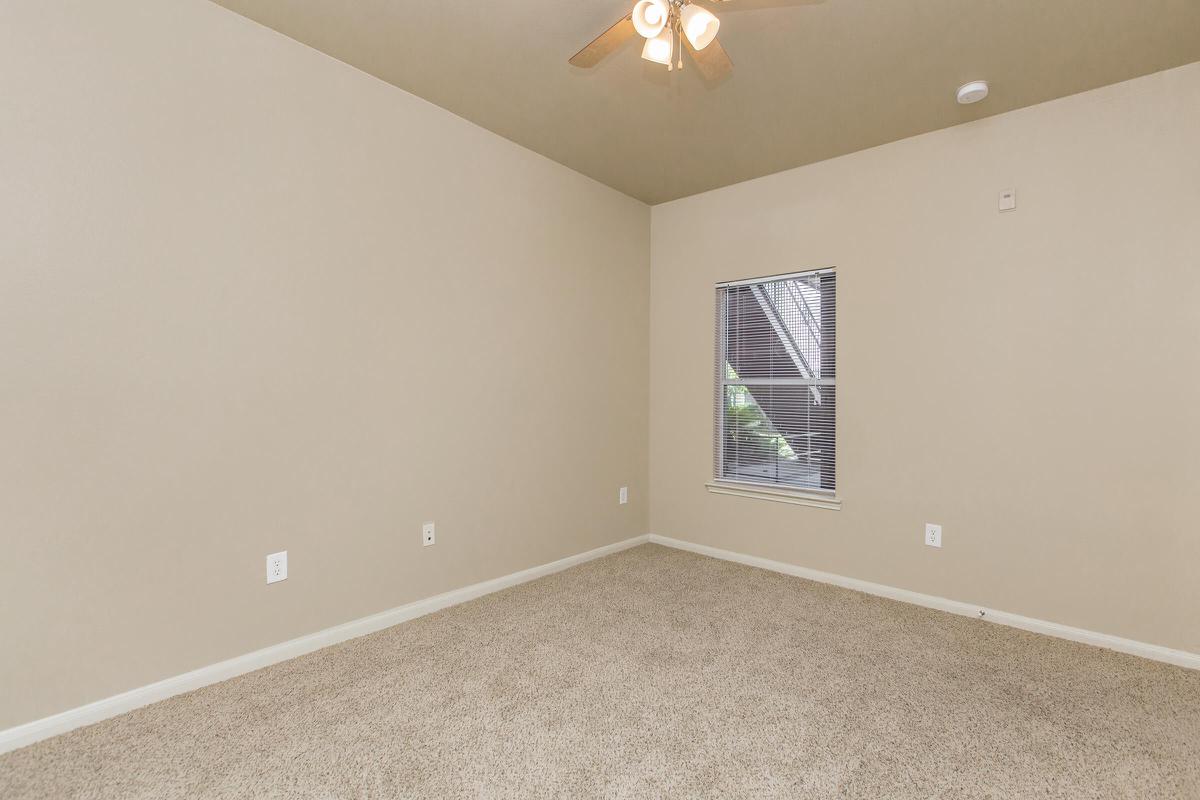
811 80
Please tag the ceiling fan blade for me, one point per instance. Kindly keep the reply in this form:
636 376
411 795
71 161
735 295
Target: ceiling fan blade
713 62
605 43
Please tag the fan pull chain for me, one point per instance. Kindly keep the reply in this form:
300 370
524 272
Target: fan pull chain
671 33
679 35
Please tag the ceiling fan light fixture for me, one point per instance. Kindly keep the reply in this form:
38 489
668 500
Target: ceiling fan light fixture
650 17
699 25
659 48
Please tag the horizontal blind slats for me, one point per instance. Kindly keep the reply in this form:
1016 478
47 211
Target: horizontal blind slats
775 381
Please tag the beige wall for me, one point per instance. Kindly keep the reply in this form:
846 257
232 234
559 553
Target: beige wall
252 299
1029 380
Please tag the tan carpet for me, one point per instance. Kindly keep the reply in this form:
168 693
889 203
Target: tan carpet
657 673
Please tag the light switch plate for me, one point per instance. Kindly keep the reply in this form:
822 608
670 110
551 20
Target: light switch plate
623 495
1008 200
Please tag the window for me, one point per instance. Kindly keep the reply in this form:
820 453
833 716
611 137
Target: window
776 389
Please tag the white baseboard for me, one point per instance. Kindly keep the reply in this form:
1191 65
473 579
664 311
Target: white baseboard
1154 652
37 730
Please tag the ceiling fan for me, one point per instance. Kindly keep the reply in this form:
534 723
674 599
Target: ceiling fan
669 27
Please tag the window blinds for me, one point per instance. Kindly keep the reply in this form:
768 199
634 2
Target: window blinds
776 389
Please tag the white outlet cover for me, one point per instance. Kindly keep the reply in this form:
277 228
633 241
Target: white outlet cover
933 535
277 567
427 535
623 495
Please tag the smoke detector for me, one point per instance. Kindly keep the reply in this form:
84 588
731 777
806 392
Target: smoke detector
971 92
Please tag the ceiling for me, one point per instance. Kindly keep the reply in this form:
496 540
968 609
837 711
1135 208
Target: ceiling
811 80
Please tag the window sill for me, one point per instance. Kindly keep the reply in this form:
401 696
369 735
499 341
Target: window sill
797 497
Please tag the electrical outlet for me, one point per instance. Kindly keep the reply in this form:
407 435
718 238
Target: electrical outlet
623 495
427 537
933 535
277 567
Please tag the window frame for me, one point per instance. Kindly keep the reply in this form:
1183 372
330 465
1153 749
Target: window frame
783 493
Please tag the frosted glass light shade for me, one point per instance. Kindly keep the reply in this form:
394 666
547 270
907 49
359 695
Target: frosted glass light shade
699 26
650 17
658 49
